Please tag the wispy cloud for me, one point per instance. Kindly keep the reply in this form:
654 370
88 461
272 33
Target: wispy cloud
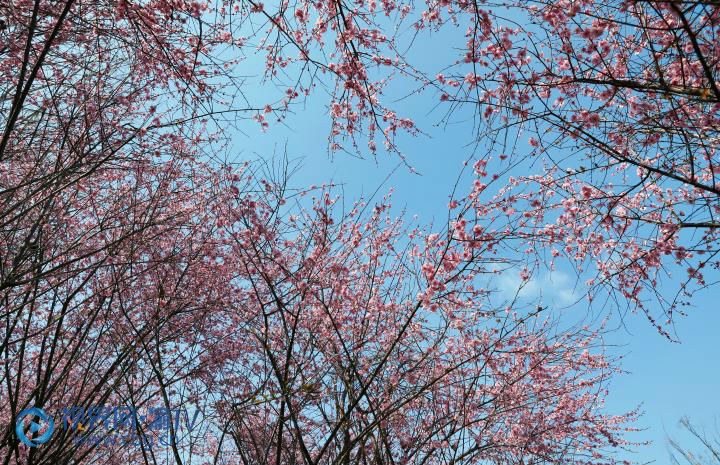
553 287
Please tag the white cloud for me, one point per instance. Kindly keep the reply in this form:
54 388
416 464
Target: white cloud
554 287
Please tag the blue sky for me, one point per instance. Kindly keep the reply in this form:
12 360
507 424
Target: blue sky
667 380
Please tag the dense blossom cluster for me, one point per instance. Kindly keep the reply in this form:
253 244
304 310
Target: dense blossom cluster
620 105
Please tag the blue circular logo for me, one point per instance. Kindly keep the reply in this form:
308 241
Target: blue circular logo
20 429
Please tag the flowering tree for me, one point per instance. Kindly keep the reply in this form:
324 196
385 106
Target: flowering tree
103 199
620 104
308 338
612 105
360 340
618 101
137 269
